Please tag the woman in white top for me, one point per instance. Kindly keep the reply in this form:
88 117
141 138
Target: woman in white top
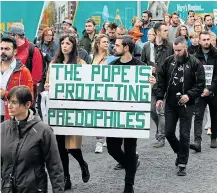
100 53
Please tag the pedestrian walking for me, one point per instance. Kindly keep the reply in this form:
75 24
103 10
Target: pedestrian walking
69 144
28 147
180 81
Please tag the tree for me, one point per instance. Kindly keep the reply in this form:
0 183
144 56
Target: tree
52 13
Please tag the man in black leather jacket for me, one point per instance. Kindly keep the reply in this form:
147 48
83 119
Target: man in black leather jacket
180 81
154 54
207 54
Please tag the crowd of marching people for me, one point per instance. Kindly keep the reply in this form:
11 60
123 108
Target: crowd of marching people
177 53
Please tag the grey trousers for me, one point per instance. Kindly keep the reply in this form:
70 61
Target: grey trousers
159 119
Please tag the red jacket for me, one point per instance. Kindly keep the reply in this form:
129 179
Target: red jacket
37 62
20 76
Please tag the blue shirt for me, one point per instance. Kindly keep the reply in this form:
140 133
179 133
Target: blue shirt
111 58
189 42
144 38
214 30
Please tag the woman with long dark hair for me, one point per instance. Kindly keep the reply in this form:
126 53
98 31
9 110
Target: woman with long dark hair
68 54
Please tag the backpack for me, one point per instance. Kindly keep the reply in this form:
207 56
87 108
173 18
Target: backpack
40 87
45 63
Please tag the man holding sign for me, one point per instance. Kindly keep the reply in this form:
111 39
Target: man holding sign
208 56
104 100
124 47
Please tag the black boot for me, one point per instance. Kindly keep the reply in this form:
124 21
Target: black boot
118 167
213 143
196 146
68 184
128 188
85 172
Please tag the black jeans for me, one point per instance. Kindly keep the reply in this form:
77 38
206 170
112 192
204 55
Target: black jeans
126 158
184 115
200 106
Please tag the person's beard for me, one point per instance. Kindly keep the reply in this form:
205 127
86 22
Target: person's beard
118 54
206 47
145 22
209 25
5 57
89 32
181 59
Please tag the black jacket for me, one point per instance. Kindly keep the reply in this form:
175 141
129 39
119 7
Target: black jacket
37 147
160 55
111 46
82 53
194 78
86 42
193 49
212 60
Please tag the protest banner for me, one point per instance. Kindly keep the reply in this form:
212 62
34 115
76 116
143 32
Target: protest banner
100 100
208 74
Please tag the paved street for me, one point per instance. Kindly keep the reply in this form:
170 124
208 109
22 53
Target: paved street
156 174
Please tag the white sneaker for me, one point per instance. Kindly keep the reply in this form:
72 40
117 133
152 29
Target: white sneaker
209 131
105 144
99 147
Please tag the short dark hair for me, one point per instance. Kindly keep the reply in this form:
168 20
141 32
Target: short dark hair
207 15
204 33
189 11
90 20
180 40
148 12
10 40
127 40
157 26
174 13
22 93
113 25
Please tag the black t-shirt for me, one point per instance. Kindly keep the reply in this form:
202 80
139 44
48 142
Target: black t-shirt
176 84
134 61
